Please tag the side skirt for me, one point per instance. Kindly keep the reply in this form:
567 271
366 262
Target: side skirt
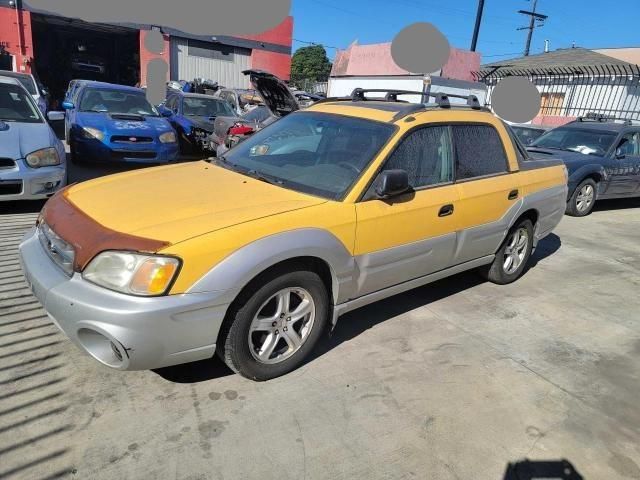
345 307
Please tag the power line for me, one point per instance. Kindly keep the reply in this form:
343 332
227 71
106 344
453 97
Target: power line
316 43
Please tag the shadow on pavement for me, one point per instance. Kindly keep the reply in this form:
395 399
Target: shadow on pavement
541 469
355 323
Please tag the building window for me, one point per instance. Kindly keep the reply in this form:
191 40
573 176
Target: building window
552 103
210 50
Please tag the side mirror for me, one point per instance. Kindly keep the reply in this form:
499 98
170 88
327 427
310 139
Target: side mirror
55 116
165 112
68 105
44 91
620 153
392 183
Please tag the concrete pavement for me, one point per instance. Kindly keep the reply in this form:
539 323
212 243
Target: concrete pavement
451 381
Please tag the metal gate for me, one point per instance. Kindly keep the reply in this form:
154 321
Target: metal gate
607 90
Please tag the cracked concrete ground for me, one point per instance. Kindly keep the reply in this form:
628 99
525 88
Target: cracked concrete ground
455 380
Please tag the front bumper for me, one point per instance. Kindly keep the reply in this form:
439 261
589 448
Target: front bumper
93 150
122 331
25 183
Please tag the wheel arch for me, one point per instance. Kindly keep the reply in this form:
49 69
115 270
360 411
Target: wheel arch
309 248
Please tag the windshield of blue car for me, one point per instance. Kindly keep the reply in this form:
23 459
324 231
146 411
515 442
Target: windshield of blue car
115 101
316 153
16 105
527 135
586 141
205 107
26 81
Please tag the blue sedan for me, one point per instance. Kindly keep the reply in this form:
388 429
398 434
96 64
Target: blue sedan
193 116
115 123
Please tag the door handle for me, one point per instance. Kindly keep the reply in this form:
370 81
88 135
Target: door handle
446 210
513 194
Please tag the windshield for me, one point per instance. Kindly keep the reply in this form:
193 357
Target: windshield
316 153
16 105
205 107
258 114
585 141
26 81
116 101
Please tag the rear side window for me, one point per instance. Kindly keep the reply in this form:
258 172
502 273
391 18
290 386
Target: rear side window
426 155
479 151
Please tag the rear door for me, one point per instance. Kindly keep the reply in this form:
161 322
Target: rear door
411 235
486 188
625 172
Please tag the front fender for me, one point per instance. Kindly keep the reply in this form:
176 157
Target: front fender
239 268
584 171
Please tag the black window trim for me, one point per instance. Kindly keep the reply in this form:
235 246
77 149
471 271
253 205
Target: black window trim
363 196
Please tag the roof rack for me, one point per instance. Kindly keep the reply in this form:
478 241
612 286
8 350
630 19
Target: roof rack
391 95
601 117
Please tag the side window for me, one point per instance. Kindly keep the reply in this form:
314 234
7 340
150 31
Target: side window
426 155
479 151
171 102
629 144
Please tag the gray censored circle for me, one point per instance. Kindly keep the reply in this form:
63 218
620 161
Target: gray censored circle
420 48
154 41
516 99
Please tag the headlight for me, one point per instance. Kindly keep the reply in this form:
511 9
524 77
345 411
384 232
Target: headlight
43 158
168 137
132 273
92 133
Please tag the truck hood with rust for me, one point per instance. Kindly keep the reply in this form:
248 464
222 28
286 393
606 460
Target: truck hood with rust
177 202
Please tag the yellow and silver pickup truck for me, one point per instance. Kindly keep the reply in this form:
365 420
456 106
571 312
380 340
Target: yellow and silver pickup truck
255 254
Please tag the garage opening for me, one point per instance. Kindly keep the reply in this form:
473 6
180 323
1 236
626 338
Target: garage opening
66 49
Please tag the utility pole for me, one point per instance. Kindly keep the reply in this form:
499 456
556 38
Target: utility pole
476 30
532 24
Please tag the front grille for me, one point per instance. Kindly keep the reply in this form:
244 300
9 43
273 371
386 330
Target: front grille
61 252
7 163
125 155
131 139
11 187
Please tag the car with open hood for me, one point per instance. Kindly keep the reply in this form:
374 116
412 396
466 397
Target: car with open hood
326 210
115 123
602 156
278 100
192 115
32 159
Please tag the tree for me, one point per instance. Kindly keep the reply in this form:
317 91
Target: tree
310 63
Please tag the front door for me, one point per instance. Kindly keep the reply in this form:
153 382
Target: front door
414 234
624 171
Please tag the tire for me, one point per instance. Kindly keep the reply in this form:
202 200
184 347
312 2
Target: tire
583 199
500 271
73 155
260 349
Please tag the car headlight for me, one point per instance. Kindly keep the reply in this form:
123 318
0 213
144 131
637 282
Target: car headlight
92 133
43 158
132 273
168 137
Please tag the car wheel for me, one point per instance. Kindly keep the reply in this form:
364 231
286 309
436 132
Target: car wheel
272 330
512 257
583 199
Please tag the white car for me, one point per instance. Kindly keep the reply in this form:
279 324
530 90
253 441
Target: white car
32 158
28 81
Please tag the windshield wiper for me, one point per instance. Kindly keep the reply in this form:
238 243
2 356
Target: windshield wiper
263 178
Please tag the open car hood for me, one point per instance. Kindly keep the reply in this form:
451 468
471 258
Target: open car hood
276 95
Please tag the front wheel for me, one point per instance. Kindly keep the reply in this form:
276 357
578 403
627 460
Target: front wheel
272 331
512 257
583 199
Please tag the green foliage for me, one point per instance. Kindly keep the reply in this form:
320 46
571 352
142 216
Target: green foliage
310 63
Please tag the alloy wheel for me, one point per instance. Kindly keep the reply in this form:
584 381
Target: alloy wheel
281 325
515 251
585 197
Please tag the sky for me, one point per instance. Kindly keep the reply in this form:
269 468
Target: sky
337 23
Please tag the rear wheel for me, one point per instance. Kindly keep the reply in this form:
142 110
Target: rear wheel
583 199
512 257
272 331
